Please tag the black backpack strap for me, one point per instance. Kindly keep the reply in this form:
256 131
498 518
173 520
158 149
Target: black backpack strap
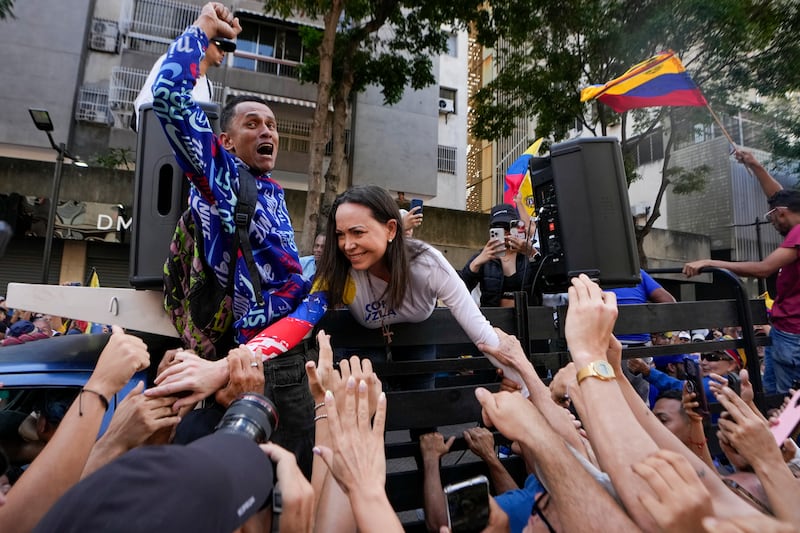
242 216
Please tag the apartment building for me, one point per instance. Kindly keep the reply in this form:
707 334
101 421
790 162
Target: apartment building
84 61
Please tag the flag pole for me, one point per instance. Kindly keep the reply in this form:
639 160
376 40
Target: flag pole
719 123
89 279
727 135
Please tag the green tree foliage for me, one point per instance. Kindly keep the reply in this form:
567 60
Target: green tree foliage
115 158
388 43
6 9
551 50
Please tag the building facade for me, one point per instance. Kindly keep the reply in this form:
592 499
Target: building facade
84 62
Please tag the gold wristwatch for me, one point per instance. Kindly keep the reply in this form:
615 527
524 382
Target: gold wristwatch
597 369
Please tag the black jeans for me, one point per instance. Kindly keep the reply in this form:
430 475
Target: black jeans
286 384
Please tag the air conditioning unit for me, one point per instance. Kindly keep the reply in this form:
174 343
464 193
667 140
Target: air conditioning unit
95 114
446 105
104 36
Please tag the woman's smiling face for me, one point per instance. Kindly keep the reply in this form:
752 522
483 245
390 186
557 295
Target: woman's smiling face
363 239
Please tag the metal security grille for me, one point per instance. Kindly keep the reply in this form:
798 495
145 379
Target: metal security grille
446 159
125 85
93 105
156 20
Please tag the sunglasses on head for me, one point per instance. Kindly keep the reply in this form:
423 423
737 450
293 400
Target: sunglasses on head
714 356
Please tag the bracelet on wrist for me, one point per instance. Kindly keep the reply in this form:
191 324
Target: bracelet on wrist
103 399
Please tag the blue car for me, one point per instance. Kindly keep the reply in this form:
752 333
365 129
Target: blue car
28 372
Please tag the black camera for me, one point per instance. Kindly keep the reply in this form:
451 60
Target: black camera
251 415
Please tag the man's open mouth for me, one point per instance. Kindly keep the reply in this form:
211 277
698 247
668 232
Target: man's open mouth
265 149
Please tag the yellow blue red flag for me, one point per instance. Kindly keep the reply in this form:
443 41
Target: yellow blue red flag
517 174
661 80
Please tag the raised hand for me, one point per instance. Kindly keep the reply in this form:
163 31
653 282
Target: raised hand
138 418
216 20
245 374
434 447
123 356
201 378
590 319
356 457
747 432
480 442
321 373
297 496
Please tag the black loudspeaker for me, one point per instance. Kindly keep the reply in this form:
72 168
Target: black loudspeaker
160 196
584 216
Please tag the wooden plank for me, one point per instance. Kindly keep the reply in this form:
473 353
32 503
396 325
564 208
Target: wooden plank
129 308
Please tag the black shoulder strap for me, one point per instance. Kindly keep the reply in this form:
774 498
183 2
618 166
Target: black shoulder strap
242 216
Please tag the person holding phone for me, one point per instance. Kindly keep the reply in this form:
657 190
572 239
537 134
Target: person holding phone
503 266
412 219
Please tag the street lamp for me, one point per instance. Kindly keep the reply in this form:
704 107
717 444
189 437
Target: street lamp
41 119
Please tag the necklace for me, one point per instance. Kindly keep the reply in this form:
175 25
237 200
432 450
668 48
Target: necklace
385 328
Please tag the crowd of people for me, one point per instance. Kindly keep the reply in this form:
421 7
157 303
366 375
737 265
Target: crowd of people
626 467
596 454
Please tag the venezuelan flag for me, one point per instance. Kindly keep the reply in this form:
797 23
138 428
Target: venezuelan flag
517 173
659 81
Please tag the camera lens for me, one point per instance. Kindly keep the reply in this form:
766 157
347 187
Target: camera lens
250 415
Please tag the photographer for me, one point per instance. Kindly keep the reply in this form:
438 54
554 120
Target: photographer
214 484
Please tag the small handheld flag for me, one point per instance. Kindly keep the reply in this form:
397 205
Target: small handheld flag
517 173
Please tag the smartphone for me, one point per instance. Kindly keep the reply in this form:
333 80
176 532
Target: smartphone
416 202
734 382
468 505
499 235
787 420
694 383
518 229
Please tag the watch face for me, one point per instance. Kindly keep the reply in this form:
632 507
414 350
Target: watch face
604 370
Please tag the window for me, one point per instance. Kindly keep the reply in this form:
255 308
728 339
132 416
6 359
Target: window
268 48
452 45
296 137
444 92
648 149
446 160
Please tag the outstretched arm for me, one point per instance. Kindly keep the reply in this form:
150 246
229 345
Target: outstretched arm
433 447
618 441
758 269
725 501
578 497
768 184
60 464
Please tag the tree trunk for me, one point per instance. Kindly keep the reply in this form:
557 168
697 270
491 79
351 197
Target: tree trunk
642 232
333 177
319 128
